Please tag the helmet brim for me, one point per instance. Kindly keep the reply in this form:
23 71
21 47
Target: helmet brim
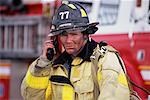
80 28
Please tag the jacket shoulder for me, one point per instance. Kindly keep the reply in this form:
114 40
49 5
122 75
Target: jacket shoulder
101 50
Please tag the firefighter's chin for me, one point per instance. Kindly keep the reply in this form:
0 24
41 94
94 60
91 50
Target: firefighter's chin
71 51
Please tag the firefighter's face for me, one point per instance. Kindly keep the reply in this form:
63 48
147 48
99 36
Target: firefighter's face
72 42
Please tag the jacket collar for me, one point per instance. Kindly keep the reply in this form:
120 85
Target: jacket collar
84 54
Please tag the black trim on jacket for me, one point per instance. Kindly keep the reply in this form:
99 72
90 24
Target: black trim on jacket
60 79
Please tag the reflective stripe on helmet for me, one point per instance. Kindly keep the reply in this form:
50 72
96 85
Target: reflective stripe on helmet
83 13
72 6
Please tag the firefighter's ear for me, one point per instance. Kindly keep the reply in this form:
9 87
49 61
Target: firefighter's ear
85 36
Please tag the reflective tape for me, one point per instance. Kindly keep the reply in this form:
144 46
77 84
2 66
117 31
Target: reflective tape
99 76
67 93
37 82
122 79
48 92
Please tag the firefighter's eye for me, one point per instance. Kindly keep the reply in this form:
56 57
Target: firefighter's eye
64 33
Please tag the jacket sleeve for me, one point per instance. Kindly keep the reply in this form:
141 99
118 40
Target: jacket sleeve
36 81
111 78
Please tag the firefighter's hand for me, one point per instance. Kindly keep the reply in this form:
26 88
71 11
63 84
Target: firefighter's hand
48 44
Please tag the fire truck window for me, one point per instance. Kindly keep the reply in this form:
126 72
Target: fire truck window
108 12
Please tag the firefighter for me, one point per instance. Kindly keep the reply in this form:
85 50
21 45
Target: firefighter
84 70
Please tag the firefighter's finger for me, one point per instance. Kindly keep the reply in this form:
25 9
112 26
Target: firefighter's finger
50 45
48 42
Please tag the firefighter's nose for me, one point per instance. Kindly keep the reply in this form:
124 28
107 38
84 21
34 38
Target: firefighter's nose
69 38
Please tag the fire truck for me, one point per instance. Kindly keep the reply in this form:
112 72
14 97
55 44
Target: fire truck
124 24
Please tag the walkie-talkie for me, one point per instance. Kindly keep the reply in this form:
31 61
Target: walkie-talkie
51 52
